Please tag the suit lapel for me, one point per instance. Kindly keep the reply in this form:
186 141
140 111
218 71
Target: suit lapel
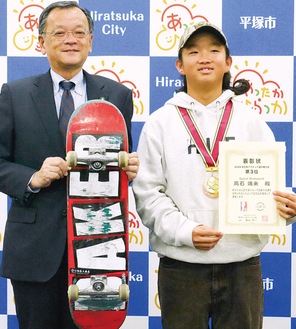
43 97
95 87
42 94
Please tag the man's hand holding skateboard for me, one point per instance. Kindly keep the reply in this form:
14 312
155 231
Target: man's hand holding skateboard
55 168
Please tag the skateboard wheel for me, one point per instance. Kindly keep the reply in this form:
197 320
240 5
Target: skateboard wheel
122 159
73 292
124 292
71 159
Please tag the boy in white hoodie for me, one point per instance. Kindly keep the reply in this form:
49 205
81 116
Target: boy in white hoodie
203 274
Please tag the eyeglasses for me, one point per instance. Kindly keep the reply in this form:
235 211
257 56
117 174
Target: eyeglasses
62 35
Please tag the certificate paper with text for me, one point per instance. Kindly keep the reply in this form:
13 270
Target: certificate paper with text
248 174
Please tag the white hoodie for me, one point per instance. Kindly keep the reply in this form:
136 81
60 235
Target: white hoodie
168 187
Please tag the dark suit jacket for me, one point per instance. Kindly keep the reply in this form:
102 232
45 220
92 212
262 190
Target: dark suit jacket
35 234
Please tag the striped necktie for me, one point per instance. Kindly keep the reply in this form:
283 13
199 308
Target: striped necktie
67 106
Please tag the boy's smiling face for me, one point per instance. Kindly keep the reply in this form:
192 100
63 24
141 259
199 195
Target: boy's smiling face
204 62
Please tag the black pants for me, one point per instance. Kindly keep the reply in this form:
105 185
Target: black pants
230 294
44 305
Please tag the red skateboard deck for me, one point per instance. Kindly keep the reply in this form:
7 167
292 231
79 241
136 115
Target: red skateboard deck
97 146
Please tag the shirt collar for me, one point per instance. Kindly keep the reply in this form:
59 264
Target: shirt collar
78 79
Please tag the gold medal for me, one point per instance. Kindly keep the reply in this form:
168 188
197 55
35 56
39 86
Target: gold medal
211 186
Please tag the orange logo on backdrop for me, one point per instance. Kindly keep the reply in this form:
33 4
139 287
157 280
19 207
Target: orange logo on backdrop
26 35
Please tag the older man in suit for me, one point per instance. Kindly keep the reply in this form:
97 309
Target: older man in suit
33 169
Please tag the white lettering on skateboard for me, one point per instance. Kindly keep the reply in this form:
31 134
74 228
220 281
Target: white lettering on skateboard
93 187
93 222
103 256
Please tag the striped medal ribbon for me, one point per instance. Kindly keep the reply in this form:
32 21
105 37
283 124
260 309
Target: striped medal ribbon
210 157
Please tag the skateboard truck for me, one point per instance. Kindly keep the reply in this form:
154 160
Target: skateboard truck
99 288
97 159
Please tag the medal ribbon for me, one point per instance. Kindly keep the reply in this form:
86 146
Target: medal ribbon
210 158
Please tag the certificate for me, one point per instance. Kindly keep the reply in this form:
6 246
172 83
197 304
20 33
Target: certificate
248 174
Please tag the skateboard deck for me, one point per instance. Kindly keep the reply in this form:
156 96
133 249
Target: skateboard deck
97 146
